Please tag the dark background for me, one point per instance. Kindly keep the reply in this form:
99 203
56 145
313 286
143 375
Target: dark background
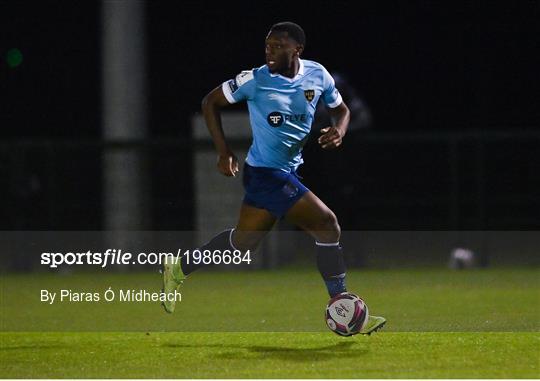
453 89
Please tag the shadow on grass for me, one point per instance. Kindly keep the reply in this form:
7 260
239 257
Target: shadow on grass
342 350
326 353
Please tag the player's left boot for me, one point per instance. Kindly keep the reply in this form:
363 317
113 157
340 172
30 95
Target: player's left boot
373 324
173 277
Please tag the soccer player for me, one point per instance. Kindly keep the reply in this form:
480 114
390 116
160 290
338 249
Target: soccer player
282 96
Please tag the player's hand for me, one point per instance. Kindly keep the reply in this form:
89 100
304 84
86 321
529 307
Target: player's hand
228 164
331 138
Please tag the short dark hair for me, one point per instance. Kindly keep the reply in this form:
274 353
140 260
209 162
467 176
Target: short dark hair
295 31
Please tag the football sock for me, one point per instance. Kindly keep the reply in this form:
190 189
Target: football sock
220 242
331 266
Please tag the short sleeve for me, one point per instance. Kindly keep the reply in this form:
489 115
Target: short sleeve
331 96
240 88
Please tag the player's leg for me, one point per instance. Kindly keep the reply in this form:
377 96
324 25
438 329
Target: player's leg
312 215
253 224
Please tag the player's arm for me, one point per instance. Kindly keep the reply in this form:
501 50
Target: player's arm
332 136
212 104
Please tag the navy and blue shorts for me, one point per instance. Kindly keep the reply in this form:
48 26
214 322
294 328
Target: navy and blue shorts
272 189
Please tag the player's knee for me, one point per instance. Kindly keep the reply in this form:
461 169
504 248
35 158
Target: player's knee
330 222
328 228
337 232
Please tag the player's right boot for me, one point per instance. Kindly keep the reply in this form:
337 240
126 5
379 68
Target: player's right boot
373 324
173 277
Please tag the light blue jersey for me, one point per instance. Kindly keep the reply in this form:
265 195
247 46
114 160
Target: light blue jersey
281 110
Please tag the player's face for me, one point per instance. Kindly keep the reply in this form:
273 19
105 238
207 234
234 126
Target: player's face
281 51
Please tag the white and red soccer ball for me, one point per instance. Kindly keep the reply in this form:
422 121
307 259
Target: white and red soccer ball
346 314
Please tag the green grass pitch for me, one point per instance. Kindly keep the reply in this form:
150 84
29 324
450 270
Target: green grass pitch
269 324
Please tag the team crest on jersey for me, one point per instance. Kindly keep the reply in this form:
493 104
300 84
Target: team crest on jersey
309 94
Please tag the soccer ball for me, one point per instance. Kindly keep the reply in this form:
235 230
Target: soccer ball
346 314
